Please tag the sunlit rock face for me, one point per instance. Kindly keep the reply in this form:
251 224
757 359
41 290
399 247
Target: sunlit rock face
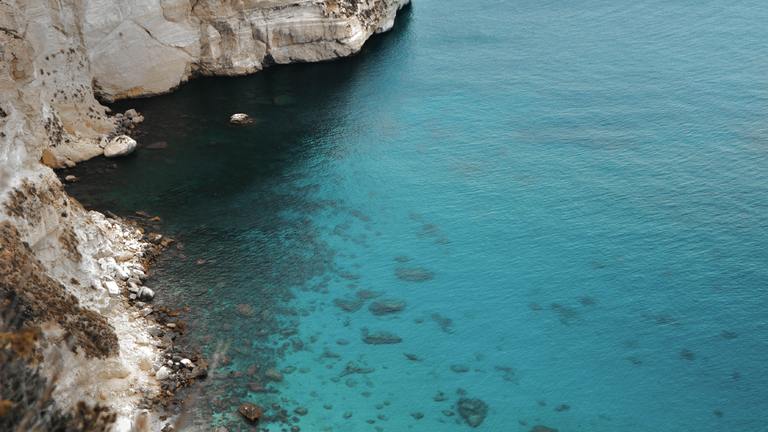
151 46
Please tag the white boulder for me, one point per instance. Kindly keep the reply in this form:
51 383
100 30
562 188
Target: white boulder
240 119
120 145
163 373
145 294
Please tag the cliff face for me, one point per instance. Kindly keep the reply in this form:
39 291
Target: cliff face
219 37
63 53
56 57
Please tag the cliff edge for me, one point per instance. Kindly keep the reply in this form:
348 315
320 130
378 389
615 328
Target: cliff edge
64 270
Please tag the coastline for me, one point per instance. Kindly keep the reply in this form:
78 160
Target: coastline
52 116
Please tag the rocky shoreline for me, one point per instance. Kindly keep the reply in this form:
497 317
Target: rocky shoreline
110 353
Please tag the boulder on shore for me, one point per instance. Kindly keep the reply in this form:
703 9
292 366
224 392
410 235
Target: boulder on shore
133 116
163 373
120 145
145 294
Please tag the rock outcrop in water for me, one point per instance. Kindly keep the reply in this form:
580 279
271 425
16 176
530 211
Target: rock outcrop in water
55 59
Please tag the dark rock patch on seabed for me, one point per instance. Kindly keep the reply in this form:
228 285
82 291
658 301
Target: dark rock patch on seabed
386 306
445 323
414 274
380 337
354 368
542 428
473 411
508 374
412 357
566 314
349 305
460 368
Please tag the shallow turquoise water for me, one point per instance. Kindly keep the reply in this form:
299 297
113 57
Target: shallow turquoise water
587 185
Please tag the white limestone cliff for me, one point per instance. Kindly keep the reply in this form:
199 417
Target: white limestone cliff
56 57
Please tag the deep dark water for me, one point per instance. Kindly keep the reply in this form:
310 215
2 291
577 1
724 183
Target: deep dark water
557 209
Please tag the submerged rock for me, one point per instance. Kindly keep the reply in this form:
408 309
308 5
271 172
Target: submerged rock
158 145
542 428
251 412
460 368
120 145
367 294
273 374
245 310
412 357
380 338
348 305
414 274
386 306
354 368
445 323
473 411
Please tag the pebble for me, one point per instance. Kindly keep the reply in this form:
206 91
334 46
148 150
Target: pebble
112 287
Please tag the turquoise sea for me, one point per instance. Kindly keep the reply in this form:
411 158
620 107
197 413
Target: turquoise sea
562 206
